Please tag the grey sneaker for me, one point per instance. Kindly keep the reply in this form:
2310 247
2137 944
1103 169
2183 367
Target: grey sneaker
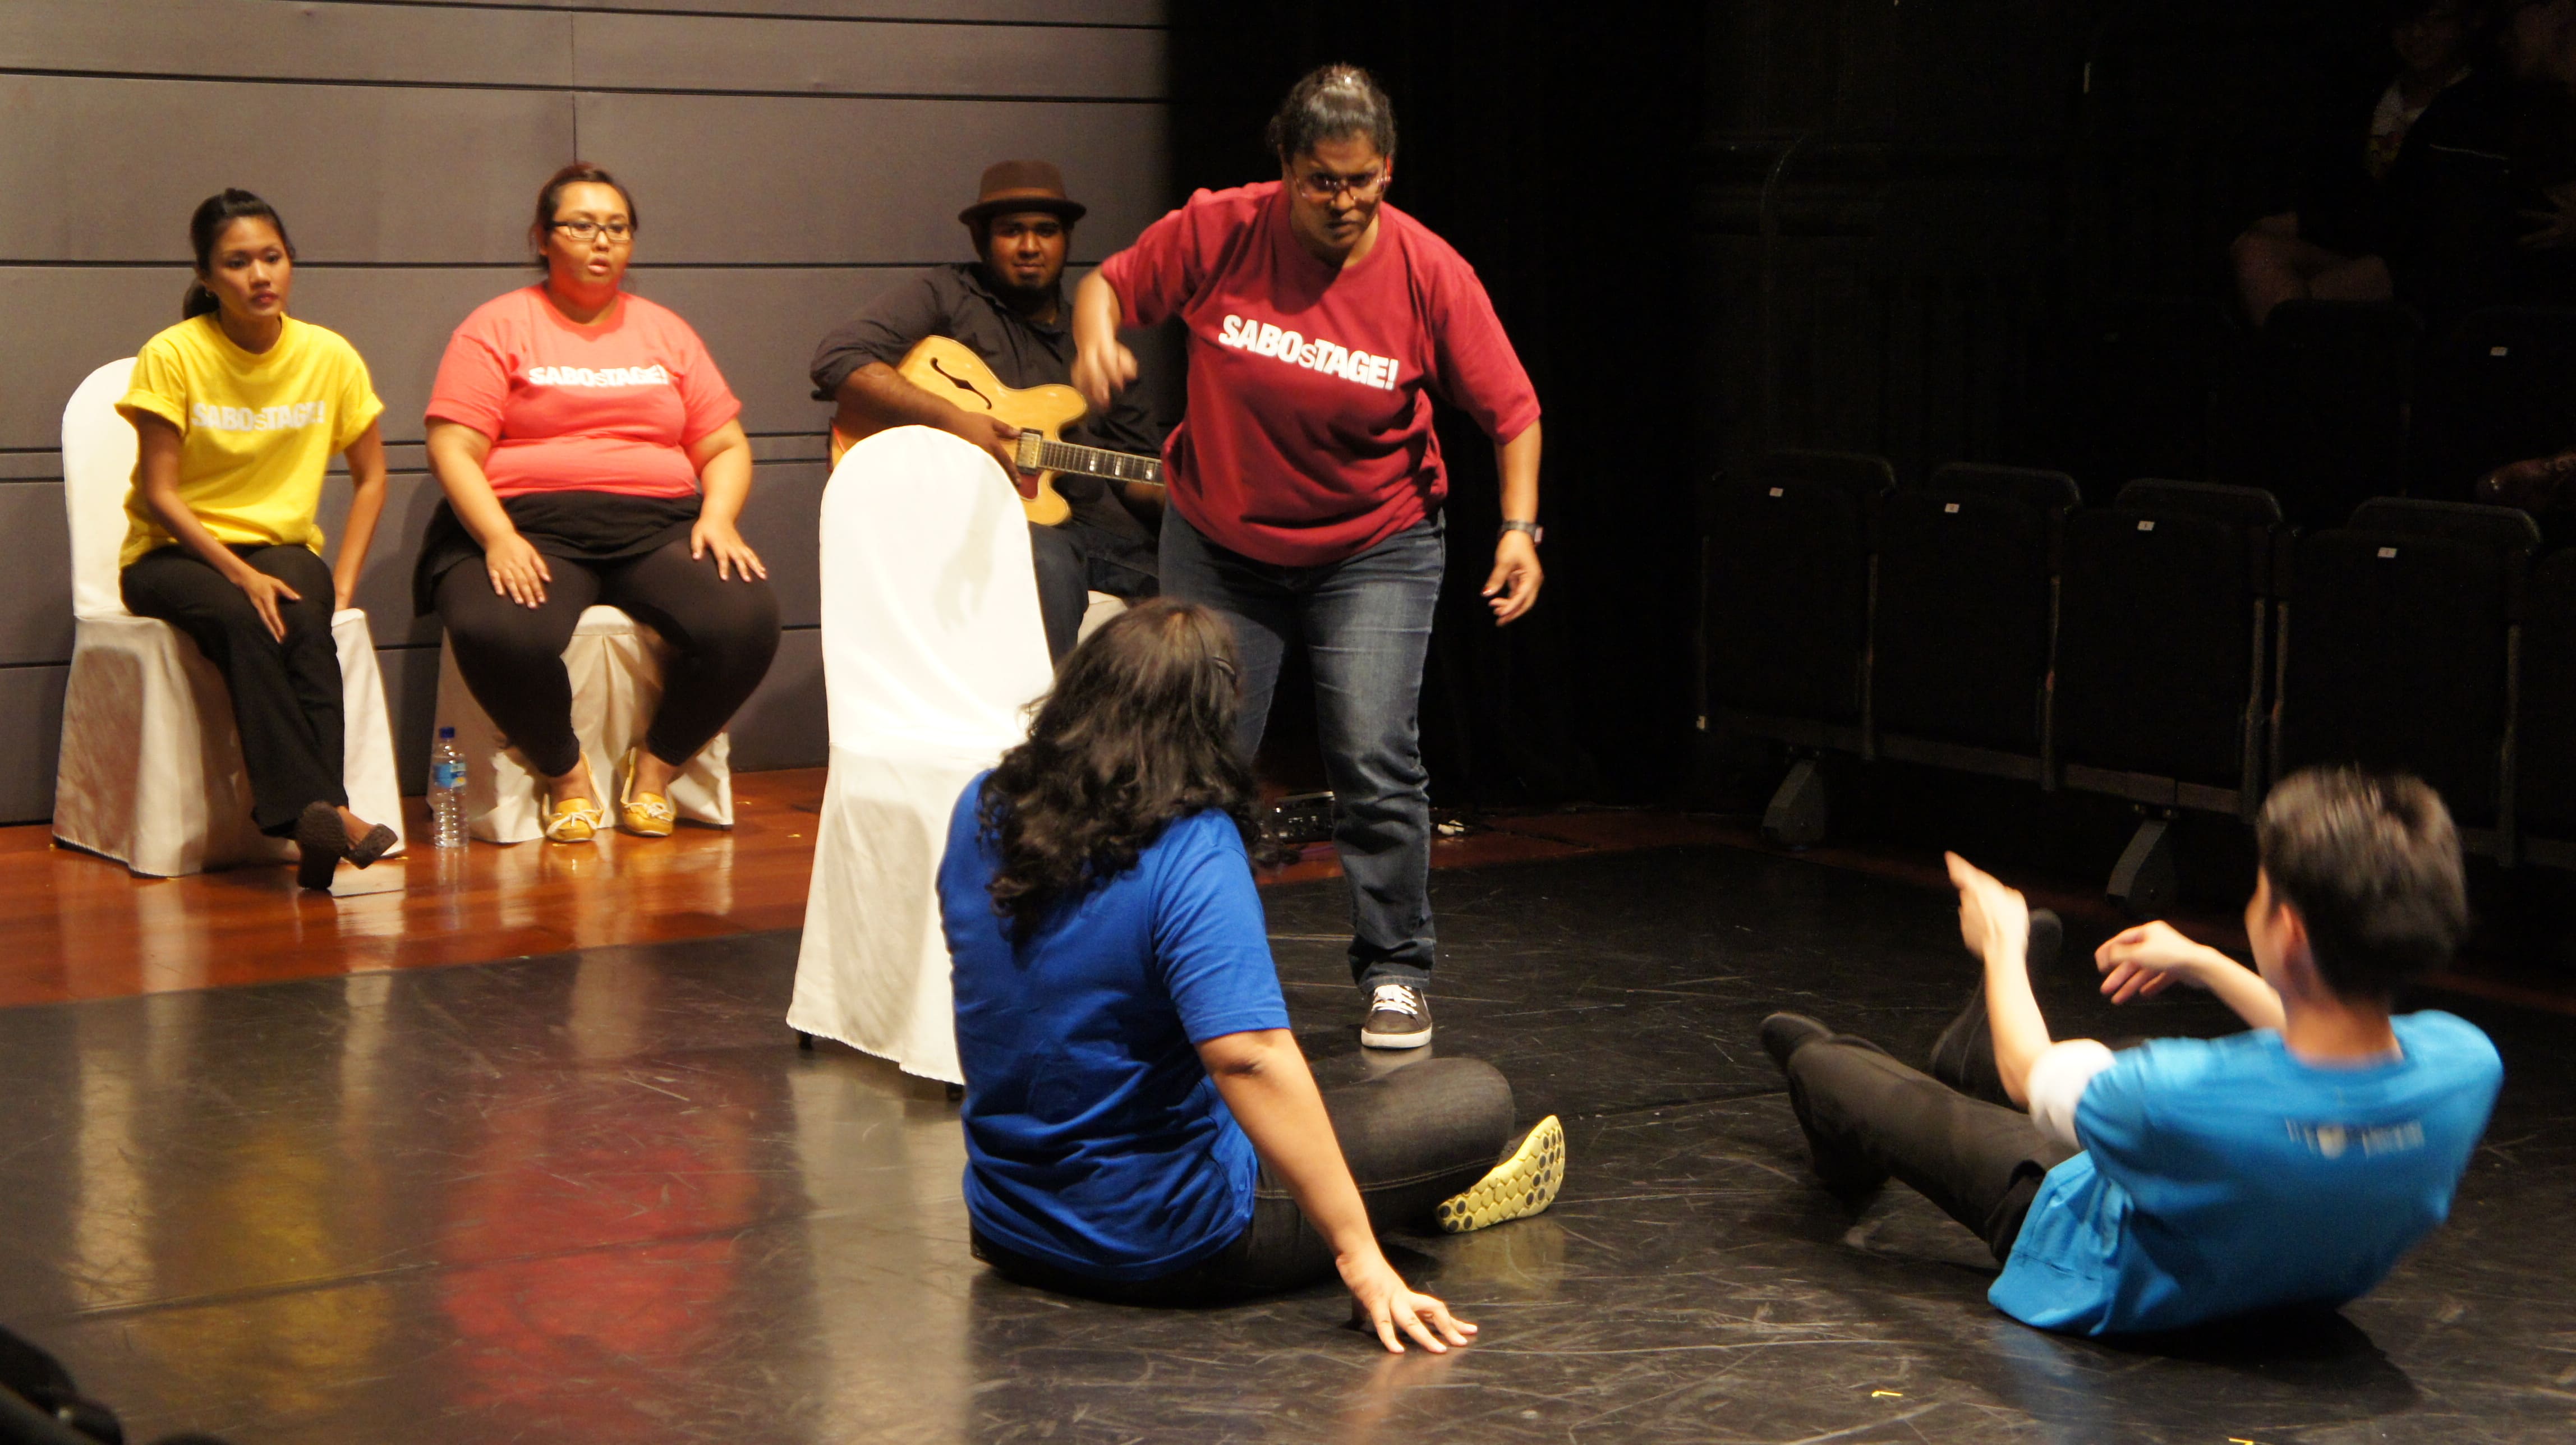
1399 1017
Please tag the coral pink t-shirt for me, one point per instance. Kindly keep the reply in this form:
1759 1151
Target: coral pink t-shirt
612 407
1309 437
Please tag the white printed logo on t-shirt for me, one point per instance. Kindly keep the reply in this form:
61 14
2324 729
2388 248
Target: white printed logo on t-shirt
603 376
1261 338
288 417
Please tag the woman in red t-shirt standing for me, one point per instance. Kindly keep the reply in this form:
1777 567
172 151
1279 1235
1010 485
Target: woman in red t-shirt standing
1306 482
590 453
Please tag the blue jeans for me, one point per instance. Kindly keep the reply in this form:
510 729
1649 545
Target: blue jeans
1365 623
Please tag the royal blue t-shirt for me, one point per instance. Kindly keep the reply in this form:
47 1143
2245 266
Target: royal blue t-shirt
1095 1140
2222 1176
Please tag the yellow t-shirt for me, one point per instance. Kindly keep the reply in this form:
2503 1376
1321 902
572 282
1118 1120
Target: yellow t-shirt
256 431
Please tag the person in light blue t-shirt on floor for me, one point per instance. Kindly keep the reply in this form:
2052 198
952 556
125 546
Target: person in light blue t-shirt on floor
2186 1180
1140 1124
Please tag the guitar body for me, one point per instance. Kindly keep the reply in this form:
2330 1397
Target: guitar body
947 369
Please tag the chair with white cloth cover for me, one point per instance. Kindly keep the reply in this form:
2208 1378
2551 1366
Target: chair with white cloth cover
616 667
151 772
932 650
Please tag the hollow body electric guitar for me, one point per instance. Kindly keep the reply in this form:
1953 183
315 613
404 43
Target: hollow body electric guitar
948 370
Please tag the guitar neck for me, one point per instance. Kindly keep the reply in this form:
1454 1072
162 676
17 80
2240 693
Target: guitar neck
1055 456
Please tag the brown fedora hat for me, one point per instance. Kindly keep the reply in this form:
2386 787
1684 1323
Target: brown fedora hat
1021 186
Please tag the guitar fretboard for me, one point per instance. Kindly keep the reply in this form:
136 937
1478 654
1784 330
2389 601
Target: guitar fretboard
1085 461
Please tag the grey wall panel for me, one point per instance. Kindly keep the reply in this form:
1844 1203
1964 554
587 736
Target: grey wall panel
36 606
67 322
31 699
361 173
384 583
762 324
675 52
786 498
1021 12
399 318
783 724
755 179
295 42
411 701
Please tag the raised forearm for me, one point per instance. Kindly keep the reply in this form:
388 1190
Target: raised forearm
2238 987
1095 313
2012 1014
1267 1085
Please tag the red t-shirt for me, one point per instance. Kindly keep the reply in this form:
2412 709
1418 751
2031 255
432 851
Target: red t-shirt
1309 434
612 407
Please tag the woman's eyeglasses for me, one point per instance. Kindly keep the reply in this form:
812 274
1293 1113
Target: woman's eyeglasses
1324 185
586 230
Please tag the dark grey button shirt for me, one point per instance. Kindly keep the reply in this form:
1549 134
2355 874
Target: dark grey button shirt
955 301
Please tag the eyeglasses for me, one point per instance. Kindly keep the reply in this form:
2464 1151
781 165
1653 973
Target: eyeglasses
618 231
1324 185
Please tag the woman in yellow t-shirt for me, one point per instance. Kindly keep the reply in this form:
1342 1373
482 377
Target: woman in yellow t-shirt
240 408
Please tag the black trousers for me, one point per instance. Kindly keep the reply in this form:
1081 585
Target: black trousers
722 633
286 695
1952 1138
1073 561
1413 1137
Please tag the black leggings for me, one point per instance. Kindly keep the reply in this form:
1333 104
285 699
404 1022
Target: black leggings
286 695
722 635
1954 1137
1413 1137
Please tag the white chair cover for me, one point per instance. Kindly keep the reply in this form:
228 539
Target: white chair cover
151 772
932 651
616 667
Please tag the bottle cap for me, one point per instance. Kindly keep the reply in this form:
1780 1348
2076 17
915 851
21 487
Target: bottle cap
446 733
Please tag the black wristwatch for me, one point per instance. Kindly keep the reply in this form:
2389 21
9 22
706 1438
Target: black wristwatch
1537 533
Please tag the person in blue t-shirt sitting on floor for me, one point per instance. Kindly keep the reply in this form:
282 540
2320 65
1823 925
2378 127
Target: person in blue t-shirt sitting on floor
2185 1180
1140 1125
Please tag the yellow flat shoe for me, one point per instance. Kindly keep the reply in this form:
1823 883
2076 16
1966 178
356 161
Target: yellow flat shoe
1523 1185
646 815
574 820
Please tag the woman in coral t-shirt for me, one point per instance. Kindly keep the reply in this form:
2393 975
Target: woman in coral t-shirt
1306 482
590 454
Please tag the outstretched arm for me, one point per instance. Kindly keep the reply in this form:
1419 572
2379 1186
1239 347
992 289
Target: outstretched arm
1995 923
2144 961
1265 1082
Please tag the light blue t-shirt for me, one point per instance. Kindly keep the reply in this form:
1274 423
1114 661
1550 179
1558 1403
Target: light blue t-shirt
2222 1176
1095 1140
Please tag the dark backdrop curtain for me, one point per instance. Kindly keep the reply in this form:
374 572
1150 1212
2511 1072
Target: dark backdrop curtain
1551 144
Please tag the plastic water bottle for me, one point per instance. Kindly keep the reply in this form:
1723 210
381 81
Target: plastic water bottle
447 792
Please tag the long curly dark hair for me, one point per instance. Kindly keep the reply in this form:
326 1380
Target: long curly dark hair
1137 733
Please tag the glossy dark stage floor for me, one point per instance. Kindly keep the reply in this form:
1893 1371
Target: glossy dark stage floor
600 1196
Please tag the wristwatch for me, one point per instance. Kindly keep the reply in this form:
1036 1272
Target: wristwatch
1537 533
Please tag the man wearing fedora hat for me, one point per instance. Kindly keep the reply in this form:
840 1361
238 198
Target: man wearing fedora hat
1008 306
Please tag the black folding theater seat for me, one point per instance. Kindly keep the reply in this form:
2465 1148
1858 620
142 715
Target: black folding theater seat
2544 788
1966 619
2163 633
2398 636
2501 388
1786 625
1785 615
2314 407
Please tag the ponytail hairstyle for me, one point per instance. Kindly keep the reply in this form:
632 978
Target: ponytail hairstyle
1333 101
574 174
1137 734
214 216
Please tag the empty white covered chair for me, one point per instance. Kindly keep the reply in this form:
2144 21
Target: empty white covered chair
151 772
932 650
616 668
